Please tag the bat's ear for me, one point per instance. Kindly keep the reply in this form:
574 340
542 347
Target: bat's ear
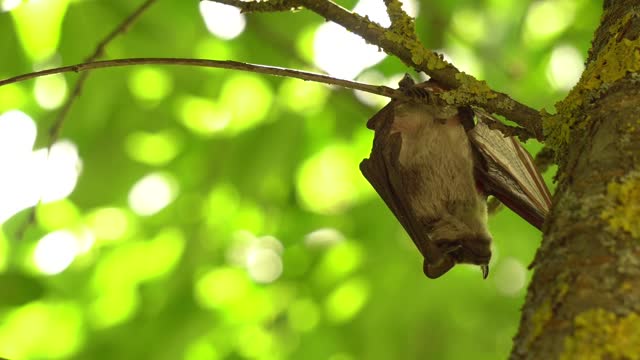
435 271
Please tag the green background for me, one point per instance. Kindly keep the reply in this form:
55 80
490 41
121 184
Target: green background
252 160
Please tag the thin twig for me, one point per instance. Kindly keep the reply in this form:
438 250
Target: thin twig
58 122
266 6
222 64
54 130
468 90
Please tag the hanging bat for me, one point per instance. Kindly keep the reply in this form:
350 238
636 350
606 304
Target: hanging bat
434 168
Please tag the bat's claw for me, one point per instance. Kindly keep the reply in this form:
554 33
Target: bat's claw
485 270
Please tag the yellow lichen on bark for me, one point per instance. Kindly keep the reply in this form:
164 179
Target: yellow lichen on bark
470 91
623 212
619 57
538 321
600 334
401 23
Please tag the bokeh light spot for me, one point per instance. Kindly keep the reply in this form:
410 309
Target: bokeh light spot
4 251
221 20
565 67
264 265
347 300
338 262
248 99
17 133
221 287
325 237
108 223
50 91
546 19
200 350
152 193
55 252
303 315
510 276
38 26
62 168
150 84
8 5
14 96
303 97
329 181
202 116
470 24
153 148
114 305
254 342
42 331
57 214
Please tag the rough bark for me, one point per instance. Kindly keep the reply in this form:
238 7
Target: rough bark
584 299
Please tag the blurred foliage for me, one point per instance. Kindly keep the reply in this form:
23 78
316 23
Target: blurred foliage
221 215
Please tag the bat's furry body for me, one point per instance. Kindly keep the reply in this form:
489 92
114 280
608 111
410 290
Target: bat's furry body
434 179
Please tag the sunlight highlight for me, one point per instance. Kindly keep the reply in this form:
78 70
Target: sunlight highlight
50 91
8 5
510 277
260 256
38 24
221 20
343 54
29 176
61 171
152 193
264 265
323 238
547 19
55 252
565 67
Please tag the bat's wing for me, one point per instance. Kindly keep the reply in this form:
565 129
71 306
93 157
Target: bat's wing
508 172
383 171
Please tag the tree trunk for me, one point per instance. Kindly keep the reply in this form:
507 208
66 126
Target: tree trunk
584 299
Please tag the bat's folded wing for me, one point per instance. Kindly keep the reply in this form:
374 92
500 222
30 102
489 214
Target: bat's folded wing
508 172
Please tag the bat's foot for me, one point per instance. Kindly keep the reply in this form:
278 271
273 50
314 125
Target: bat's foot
434 271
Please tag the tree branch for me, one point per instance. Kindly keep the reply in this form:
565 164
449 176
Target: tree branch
405 46
401 22
262 6
221 64
54 130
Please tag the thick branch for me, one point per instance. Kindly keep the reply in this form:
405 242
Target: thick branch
467 90
234 65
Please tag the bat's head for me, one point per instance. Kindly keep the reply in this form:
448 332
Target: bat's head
475 251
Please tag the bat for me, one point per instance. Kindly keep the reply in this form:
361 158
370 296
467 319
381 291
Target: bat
434 167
